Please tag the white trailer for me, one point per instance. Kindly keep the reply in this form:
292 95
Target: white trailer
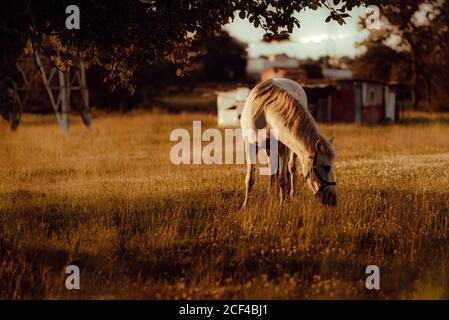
230 105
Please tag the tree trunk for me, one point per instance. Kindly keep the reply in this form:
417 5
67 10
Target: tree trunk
428 93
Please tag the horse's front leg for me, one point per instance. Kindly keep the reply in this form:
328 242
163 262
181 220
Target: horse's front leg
250 178
273 183
284 175
292 168
272 186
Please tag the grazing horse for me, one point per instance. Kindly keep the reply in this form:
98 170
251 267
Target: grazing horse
281 104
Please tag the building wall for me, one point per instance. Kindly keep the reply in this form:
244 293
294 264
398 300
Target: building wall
255 66
343 103
372 114
337 73
270 73
296 74
343 107
390 104
230 105
320 102
372 94
373 110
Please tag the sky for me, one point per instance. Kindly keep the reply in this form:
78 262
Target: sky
313 39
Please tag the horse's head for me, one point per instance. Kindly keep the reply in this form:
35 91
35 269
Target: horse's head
319 173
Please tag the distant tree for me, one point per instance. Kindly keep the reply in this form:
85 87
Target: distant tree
324 61
150 80
402 22
378 62
419 31
313 70
220 58
121 35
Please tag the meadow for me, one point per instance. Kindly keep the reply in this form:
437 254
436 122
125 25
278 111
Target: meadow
109 200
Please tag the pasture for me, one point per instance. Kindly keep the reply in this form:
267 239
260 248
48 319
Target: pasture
109 200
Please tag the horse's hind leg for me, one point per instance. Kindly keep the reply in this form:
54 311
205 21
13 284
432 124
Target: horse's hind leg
250 178
292 168
273 183
272 186
284 175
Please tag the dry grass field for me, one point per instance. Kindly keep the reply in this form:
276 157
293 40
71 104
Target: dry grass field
109 200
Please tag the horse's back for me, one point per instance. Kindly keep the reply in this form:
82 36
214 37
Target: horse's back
247 118
293 88
252 116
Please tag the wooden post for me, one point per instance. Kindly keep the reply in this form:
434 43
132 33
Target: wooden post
64 84
64 98
85 112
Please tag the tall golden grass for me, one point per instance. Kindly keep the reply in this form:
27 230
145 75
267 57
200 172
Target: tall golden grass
109 200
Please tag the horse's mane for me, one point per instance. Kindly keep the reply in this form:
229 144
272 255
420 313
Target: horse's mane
293 115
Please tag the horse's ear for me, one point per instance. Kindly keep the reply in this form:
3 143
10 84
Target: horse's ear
318 146
331 140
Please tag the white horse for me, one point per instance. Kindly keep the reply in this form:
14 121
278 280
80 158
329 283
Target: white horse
281 104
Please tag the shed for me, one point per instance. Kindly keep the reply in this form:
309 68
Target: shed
351 100
319 99
361 101
229 106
